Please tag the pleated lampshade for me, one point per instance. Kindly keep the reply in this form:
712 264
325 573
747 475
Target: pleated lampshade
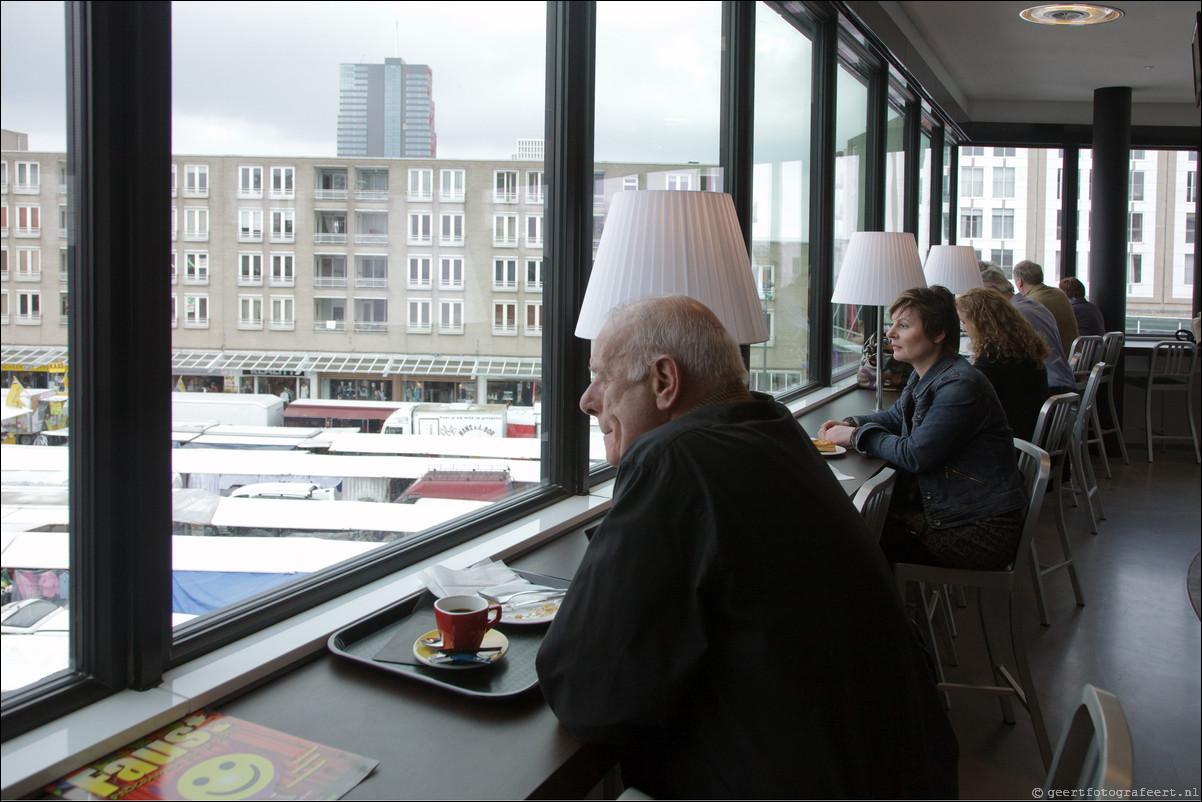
877 267
666 242
954 267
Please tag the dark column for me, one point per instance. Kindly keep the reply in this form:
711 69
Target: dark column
1108 219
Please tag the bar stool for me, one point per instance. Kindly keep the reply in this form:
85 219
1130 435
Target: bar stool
1170 370
1082 479
1112 351
1086 351
1053 433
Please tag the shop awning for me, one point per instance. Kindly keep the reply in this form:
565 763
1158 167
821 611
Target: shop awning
308 409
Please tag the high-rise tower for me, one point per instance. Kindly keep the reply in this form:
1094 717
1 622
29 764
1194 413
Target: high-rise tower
386 110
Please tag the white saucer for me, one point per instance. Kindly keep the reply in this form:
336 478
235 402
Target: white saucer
491 638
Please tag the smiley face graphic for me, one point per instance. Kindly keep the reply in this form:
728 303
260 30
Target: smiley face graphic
237 776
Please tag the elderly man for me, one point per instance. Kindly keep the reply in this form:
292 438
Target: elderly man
1028 279
1060 374
732 628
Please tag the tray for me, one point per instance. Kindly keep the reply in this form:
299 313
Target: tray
413 616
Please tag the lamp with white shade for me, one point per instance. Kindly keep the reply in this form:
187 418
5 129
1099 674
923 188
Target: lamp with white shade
877 267
954 267
667 242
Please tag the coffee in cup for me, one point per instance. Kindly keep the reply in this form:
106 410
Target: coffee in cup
463 620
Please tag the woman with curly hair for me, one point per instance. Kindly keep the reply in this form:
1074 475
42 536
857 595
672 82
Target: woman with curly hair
1010 352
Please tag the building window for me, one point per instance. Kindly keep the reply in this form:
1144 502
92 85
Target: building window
1136 185
29 264
371 314
765 281
972 223
972 182
282 274
419 272
196 223
330 229
64 307
1004 151
504 273
28 178
680 181
534 231
505 318
450 317
534 186
421 185
1003 224
1189 270
371 272
630 183
62 221
505 230
1191 186
196 311
419 316
505 186
534 275
1135 227
174 180
196 180
329 270
4 307
450 185
3 219
283 183
331 183
29 220
250 181
174 222
282 225
196 267
283 313
1003 182
250 312
1136 267
371 228
173 267
450 273
1189 228
1137 155
250 269
1002 257
451 228
972 150
534 318
250 225
371 184
329 314
29 307
419 228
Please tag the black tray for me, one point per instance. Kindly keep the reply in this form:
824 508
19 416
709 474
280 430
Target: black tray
412 617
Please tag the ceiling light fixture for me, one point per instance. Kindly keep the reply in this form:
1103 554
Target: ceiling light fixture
1070 14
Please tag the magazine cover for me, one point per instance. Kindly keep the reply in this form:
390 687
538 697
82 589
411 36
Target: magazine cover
210 756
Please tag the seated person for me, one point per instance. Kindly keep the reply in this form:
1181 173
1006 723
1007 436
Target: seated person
1010 352
1060 374
959 497
1089 317
732 628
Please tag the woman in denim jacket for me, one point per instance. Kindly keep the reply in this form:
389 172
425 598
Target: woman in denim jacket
959 497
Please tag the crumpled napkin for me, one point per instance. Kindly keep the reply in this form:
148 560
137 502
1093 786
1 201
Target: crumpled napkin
443 581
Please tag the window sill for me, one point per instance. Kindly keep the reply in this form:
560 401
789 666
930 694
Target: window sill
46 753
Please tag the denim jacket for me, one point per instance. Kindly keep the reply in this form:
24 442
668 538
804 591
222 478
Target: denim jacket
949 430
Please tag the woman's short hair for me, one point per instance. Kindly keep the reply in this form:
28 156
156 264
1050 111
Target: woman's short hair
1073 287
936 308
684 329
996 328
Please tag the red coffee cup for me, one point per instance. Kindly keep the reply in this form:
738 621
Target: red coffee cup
463 620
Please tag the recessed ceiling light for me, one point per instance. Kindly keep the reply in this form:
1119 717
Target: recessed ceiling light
1070 14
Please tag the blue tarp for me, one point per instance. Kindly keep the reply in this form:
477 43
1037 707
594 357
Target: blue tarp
199 592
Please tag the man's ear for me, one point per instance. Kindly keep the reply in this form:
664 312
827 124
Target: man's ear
665 376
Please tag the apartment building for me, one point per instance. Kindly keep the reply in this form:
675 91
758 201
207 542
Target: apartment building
332 278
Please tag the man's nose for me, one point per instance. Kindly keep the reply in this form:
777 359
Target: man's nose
587 403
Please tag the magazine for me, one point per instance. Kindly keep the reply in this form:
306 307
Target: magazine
211 756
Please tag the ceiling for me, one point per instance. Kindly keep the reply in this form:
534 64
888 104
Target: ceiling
989 65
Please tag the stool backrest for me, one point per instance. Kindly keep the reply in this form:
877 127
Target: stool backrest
1052 427
1084 353
1173 360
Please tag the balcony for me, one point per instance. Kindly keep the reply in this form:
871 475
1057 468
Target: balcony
329 239
330 194
371 239
371 282
371 327
329 325
330 282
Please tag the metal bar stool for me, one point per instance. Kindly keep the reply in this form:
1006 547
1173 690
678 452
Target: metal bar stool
1112 350
1171 370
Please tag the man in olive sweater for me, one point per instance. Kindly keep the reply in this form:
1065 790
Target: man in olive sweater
1028 279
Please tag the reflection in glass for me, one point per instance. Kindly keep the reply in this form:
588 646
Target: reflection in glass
851 124
780 235
895 170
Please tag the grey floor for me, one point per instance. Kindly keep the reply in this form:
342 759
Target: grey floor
1137 636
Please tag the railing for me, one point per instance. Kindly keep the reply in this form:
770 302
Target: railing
329 239
371 194
371 326
371 239
329 282
284 236
280 281
329 325
329 194
371 283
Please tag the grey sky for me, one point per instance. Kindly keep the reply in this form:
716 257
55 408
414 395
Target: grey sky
262 78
